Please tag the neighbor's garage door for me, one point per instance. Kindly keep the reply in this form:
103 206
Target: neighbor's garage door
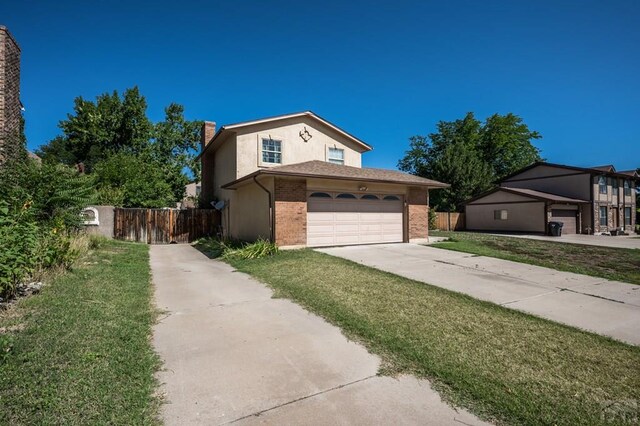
344 218
567 217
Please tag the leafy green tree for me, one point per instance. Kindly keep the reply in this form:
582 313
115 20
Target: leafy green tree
115 125
96 130
128 180
469 155
175 147
505 144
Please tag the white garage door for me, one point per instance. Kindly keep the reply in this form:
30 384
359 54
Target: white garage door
335 219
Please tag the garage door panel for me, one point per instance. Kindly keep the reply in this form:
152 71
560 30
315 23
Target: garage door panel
391 227
319 216
349 221
371 228
567 218
346 239
341 227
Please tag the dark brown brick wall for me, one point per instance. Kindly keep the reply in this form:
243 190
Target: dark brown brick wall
10 109
418 213
290 198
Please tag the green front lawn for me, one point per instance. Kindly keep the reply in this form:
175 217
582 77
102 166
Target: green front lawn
79 352
500 363
604 262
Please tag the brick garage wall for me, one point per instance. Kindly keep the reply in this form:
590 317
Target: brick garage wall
10 109
290 199
418 213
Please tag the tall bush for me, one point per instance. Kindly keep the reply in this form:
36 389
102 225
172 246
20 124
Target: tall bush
40 208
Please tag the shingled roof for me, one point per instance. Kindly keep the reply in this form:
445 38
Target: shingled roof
324 170
531 193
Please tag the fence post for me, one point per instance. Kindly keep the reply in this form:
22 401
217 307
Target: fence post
148 215
448 221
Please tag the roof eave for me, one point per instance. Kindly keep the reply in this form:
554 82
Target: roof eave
231 185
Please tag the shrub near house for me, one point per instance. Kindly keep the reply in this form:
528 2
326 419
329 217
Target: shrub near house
39 219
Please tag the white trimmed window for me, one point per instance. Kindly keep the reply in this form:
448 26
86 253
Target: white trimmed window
500 215
602 185
336 156
271 151
603 216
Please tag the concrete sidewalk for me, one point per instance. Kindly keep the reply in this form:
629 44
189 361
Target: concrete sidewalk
606 307
232 354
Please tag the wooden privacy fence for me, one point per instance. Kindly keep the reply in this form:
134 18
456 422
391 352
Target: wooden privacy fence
164 226
450 221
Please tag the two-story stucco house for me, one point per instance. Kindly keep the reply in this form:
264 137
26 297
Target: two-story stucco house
588 200
298 180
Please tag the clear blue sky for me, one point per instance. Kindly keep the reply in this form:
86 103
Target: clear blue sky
381 70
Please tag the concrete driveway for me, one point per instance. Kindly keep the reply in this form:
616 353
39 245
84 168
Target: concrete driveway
232 354
623 241
606 307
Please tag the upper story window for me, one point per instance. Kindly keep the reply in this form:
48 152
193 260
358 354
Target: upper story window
627 187
271 151
614 185
336 156
602 184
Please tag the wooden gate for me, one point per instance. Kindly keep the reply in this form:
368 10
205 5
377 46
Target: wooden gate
165 226
450 221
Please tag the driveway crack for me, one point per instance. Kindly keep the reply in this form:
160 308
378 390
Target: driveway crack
302 398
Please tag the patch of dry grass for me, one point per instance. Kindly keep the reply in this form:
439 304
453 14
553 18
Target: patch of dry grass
605 262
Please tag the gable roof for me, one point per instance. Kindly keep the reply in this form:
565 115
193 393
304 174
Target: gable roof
607 168
538 195
324 170
228 127
633 173
599 170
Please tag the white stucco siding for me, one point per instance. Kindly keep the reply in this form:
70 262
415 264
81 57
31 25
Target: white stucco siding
249 211
294 148
521 217
225 168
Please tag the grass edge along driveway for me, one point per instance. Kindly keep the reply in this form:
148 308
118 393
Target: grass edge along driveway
501 364
611 263
81 350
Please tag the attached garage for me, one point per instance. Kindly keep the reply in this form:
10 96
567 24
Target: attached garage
507 209
348 218
317 203
568 218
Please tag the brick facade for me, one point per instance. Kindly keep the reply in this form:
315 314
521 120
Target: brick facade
11 143
290 199
417 214
207 161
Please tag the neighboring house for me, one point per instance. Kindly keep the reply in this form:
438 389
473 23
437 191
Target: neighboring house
297 180
10 107
191 195
586 200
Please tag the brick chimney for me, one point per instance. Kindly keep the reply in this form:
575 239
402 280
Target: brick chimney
11 144
206 133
